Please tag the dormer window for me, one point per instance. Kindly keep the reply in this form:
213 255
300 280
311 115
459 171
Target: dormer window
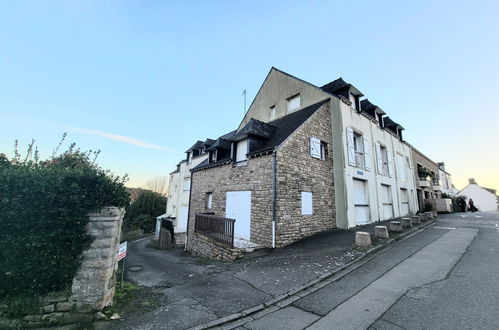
293 103
189 157
213 156
272 111
241 150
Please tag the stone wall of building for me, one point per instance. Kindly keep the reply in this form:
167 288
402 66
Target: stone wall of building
256 177
204 246
298 172
93 285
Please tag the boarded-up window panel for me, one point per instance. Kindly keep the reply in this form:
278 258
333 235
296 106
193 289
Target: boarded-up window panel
306 203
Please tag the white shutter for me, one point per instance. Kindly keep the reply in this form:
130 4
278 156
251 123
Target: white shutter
367 154
315 147
379 161
350 147
390 163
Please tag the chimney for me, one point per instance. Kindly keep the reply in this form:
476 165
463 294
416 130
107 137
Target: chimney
471 181
442 166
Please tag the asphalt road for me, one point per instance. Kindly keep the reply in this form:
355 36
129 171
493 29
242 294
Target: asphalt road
444 277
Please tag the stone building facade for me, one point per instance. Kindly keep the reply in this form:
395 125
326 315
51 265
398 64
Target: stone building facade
296 172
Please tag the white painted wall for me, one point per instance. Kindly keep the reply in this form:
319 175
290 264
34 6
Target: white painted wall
484 200
178 198
402 175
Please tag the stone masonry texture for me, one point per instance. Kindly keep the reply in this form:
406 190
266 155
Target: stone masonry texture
296 172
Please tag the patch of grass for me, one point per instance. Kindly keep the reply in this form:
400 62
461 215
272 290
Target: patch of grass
131 299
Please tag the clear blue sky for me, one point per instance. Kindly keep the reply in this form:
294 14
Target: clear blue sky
143 80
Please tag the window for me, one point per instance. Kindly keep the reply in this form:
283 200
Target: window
306 203
189 157
293 103
214 156
241 150
208 200
272 111
384 160
401 165
187 184
318 148
358 150
353 99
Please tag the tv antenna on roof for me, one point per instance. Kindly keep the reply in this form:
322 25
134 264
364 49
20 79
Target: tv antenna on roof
244 94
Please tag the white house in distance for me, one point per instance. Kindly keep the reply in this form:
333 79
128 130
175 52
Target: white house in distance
485 199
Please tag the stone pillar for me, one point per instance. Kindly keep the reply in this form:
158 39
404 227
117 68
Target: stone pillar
362 238
381 232
396 226
94 283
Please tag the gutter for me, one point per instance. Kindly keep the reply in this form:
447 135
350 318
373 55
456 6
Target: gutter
274 194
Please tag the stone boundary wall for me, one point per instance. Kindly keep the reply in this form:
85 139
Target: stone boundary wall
93 285
201 245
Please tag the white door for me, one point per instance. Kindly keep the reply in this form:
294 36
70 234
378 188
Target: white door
361 202
387 208
238 207
182 220
404 202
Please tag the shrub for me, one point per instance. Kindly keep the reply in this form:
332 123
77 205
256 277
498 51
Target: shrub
142 213
43 214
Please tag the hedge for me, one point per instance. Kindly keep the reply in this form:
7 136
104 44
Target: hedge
43 214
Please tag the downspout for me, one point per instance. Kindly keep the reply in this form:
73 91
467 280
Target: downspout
274 194
188 213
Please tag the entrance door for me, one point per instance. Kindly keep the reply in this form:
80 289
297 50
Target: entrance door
238 207
386 195
182 221
361 202
404 202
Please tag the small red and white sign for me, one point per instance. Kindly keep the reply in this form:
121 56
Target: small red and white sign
122 251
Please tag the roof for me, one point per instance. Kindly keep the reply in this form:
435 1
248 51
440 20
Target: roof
254 128
336 85
220 143
388 122
282 128
208 142
493 191
196 145
286 125
366 105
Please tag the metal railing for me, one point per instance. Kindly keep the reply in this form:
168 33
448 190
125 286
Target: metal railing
218 228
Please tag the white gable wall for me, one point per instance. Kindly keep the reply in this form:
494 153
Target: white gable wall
483 199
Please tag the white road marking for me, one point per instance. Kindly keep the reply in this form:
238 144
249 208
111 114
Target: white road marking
447 228
478 216
463 216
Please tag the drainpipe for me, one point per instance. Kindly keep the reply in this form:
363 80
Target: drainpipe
188 213
274 194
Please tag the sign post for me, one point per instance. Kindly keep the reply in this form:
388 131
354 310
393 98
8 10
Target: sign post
121 255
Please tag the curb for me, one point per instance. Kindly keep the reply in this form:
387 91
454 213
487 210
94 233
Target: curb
321 281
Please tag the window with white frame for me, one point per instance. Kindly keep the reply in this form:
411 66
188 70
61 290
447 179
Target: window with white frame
293 103
187 184
241 150
214 156
318 148
358 150
272 111
384 160
306 203
208 200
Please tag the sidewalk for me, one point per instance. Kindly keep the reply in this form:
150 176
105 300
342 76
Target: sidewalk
208 293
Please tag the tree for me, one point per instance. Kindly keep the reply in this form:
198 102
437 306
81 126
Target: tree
142 213
158 184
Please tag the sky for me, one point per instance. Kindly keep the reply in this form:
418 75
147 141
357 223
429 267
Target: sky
143 80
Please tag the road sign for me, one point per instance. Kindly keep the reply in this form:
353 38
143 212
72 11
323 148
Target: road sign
122 250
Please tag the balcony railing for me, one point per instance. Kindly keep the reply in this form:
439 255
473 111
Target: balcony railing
218 228
424 183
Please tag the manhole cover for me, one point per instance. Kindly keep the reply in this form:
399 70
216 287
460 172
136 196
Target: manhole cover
135 268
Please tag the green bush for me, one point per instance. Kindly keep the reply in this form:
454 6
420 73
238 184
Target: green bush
142 213
43 214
